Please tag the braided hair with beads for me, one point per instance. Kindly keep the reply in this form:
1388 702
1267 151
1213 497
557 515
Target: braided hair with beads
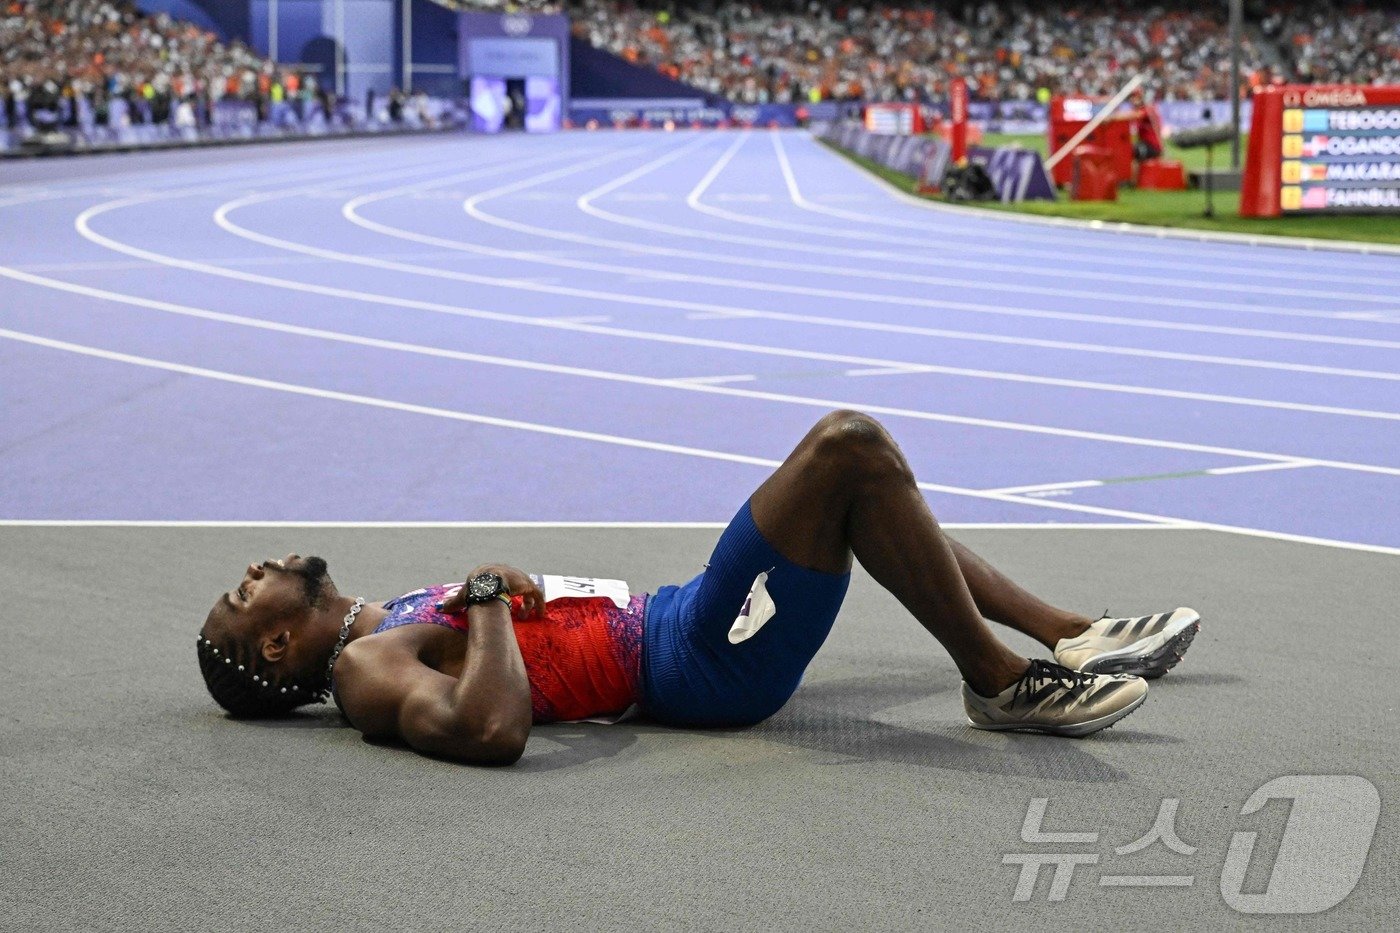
241 687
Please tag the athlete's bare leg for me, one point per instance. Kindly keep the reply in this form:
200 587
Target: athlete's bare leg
847 489
1002 600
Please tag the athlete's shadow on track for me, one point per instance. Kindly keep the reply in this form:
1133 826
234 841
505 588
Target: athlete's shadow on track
847 719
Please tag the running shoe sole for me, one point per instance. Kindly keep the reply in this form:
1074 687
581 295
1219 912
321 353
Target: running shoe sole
1076 731
1151 657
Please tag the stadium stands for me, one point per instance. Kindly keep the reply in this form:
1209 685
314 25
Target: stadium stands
100 72
105 73
54 53
757 53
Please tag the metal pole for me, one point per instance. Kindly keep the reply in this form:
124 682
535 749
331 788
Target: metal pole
340 48
407 80
1236 22
272 30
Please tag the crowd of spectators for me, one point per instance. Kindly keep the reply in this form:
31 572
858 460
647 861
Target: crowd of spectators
757 52
1347 44
62 61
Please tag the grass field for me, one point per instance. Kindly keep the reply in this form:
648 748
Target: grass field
1174 208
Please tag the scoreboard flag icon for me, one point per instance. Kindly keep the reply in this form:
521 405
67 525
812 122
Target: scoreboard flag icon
1314 121
1313 145
1291 198
1293 121
1315 197
1314 171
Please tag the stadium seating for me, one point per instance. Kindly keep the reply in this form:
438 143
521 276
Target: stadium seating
779 52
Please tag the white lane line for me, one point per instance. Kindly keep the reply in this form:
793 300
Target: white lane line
223 212
1389 315
1075 484
1325 250
430 411
350 211
926 257
128 265
492 421
583 319
82 224
584 203
887 371
27 197
1182 474
1260 467
956 227
85 229
711 380
375 402
806 401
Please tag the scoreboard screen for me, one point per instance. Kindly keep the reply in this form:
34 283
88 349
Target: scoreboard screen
1324 149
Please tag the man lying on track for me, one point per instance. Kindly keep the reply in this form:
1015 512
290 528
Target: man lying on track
463 672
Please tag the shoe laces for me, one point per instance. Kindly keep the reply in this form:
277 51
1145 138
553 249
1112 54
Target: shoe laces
1043 672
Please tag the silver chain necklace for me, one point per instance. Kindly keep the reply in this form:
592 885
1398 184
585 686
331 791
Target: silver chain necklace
344 634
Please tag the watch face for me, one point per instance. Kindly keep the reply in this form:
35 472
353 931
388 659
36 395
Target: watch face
485 585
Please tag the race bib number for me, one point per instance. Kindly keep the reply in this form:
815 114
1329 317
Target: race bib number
559 587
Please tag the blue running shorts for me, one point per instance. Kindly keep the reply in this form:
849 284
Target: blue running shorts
693 676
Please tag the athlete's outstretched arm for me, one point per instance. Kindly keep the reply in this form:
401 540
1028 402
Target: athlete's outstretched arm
847 489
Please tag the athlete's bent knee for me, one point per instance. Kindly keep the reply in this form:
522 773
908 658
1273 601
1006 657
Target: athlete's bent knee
858 444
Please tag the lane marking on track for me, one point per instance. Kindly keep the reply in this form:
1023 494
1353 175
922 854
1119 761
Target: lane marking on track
886 371
490 420
82 225
826 404
1325 250
431 411
834 403
694 201
1044 488
557 369
350 212
1257 468
1058 252
222 218
928 416
584 202
711 380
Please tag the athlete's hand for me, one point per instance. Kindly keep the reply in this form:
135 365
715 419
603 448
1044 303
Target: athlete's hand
516 580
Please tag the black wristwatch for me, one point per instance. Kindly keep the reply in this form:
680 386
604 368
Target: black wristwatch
485 587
